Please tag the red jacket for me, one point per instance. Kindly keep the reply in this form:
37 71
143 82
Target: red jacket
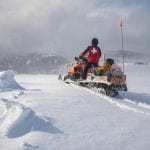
93 52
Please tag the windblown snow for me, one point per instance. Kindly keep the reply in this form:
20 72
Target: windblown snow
8 82
40 112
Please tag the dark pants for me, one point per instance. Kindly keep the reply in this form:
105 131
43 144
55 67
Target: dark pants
86 68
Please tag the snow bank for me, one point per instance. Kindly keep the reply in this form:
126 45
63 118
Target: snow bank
7 81
17 120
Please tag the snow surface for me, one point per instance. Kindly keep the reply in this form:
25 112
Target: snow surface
7 81
47 114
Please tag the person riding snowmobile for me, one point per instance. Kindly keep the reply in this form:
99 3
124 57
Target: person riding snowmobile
93 53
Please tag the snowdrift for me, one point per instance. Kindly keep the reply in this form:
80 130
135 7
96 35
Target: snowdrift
17 120
8 82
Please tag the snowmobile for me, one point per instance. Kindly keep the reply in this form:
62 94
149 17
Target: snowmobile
108 79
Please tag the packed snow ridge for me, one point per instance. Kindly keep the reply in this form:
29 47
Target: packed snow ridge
8 82
17 120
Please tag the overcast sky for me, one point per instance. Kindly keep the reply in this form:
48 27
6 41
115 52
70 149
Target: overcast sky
66 27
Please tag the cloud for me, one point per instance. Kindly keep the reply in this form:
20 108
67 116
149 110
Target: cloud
67 26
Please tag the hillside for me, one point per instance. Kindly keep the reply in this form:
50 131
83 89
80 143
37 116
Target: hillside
130 56
32 63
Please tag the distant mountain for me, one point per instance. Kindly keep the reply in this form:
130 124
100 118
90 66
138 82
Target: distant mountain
130 56
32 63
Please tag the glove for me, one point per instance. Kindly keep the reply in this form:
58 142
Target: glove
76 58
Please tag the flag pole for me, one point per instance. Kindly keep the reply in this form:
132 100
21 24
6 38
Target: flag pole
122 45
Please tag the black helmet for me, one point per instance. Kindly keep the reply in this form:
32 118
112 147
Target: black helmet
94 41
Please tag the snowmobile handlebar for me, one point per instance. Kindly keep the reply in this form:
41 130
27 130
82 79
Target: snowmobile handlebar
81 60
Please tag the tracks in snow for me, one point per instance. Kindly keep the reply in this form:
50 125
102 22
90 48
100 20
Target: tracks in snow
122 101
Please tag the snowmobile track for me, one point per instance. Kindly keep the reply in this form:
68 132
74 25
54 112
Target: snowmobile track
119 101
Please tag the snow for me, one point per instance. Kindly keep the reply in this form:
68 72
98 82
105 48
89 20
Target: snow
7 81
41 112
